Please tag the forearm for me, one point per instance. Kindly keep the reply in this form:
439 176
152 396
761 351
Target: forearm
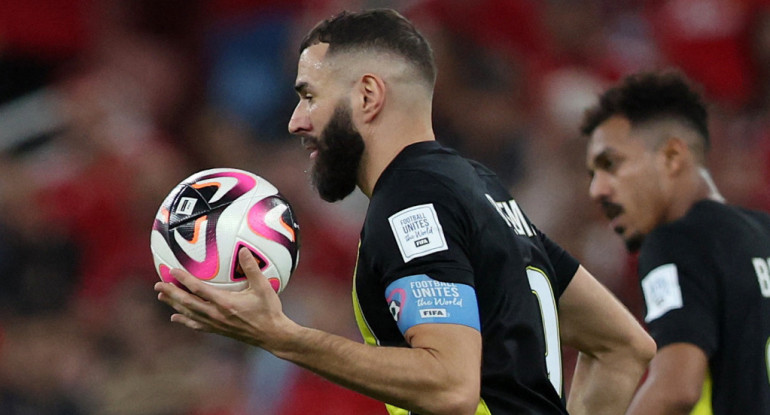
604 385
675 381
411 378
433 376
648 401
614 349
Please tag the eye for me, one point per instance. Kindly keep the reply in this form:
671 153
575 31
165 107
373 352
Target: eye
606 163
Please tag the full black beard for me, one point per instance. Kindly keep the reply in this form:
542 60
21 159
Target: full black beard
340 148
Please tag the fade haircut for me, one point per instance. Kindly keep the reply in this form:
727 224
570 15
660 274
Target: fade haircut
652 96
381 30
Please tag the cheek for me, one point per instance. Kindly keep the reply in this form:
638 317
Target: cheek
644 202
320 117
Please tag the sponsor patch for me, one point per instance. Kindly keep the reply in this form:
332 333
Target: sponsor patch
662 292
419 299
418 231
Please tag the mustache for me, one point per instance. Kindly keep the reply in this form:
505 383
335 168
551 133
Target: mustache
308 142
611 210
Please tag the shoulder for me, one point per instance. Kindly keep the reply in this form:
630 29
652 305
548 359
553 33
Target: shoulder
712 236
409 188
686 241
707 223
424 173
703 221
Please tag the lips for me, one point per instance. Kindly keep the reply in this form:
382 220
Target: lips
310 144
612 211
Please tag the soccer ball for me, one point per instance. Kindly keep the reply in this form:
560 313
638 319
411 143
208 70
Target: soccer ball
211 215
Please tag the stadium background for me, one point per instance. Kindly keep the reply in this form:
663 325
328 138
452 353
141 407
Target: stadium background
106 104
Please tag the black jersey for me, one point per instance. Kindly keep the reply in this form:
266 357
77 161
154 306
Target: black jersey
706 281
468 230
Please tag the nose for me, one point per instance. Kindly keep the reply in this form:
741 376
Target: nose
599 188
300 121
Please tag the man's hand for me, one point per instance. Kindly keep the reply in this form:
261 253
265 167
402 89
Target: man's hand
434 376
253 315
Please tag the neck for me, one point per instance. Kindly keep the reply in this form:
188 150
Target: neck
712 192
383 143
701 187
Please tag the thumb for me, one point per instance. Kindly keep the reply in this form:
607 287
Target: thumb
250 267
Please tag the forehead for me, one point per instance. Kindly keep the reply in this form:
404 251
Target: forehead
312 67
614 136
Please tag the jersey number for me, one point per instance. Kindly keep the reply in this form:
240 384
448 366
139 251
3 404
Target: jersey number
543 291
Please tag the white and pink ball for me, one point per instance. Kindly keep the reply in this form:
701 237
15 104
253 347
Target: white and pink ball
208 217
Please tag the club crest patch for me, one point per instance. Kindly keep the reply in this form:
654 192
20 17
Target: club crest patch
418 231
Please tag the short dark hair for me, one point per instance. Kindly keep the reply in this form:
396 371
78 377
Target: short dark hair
377 29
649 96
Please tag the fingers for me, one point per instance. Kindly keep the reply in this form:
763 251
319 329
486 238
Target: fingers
177 298
191 311
188 322
188 297
193 284
202 307
251 269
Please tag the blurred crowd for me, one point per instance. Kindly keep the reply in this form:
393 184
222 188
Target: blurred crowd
106 104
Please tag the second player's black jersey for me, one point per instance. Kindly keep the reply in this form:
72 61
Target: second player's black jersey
706 281
435 213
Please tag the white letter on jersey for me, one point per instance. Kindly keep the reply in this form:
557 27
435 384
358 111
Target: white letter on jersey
513 216
662 292
762 268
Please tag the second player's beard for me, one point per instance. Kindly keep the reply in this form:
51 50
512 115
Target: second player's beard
340 147
634 242
611 210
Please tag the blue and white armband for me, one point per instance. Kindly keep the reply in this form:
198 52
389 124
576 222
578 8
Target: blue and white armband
419 299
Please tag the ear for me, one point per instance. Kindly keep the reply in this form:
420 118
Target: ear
371 89
677 155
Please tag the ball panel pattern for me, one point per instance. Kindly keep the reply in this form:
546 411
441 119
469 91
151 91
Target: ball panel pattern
208 217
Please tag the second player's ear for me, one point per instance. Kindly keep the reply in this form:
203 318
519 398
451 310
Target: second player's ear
676 153
372 96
